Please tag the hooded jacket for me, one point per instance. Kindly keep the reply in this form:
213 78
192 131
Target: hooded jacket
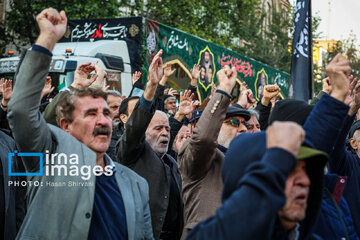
254 182
314 169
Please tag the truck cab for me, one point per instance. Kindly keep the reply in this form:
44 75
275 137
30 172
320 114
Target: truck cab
112 56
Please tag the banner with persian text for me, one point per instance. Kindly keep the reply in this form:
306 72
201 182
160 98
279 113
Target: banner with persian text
184 50
127 29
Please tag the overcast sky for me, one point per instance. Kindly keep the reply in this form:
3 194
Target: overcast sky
344 16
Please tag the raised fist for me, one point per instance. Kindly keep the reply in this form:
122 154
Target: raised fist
52 27
286 135
338 71
227 79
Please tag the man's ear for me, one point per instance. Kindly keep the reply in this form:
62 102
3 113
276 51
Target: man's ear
64 125
123 118
353 143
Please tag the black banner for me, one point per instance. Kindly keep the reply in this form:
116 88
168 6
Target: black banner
127 29
301 60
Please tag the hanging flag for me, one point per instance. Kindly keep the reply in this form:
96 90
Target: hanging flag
301 59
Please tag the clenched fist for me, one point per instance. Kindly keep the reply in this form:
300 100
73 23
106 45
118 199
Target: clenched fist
52 25
227 79
286 135
338 71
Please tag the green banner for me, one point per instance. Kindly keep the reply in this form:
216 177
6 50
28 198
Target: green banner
184 50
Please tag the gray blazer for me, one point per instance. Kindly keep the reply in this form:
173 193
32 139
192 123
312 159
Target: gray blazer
64 212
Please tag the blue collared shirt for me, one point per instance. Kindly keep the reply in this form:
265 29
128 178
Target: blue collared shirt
108 217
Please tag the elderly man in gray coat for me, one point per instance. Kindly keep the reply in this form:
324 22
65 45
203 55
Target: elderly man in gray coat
78 192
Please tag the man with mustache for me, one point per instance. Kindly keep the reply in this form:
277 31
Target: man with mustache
111 202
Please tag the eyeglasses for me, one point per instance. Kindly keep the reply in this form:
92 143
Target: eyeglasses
236 122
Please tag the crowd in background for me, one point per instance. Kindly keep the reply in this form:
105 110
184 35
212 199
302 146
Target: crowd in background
166 167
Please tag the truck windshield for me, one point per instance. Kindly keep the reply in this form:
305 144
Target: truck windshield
61 80
9 76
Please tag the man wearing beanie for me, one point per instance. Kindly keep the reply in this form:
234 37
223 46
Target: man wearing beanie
290 110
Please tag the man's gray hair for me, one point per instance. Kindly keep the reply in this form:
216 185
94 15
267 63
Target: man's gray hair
356 134
170 97
254 112
114 93
162 113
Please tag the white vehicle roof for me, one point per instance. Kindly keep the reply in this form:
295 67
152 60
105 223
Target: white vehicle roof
90 49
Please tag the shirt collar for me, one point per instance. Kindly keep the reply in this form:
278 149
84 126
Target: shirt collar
294 233
108 162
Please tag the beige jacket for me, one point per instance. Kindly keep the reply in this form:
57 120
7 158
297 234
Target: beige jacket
200 164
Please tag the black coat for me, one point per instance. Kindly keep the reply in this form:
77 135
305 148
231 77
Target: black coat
14 196
134 152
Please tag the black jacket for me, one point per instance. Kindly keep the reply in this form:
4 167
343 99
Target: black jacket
134 152
14 196
116 134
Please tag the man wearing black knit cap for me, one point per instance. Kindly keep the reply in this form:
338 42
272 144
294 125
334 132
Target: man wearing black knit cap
290 110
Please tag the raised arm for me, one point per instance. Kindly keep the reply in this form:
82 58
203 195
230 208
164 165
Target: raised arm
186 106
326 121
29 128
159 93
196 154
326 88
81 81
132 141
264 106
195 74
342 160
6 92
246 99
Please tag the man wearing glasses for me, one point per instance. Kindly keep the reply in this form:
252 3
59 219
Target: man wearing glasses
201 156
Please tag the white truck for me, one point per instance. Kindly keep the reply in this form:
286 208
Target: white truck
111 55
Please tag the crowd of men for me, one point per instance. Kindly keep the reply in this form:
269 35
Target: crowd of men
223 170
